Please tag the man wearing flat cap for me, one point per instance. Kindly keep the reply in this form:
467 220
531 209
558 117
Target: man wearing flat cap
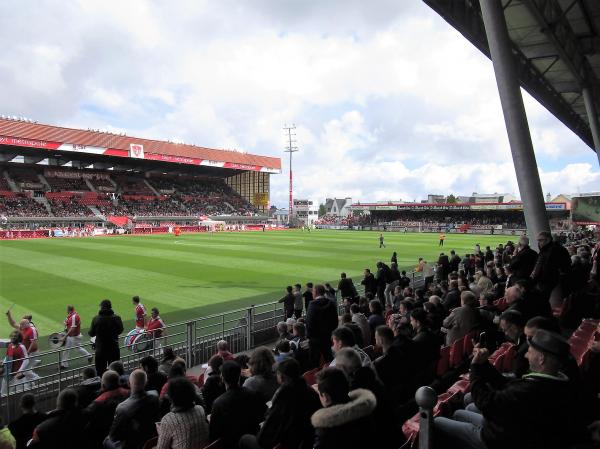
537 411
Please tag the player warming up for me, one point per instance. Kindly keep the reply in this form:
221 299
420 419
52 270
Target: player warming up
140 313
442 238
381 242
72 337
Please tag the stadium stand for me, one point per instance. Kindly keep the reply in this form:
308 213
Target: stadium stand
502 339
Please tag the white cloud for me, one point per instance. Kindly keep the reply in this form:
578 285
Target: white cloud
389 100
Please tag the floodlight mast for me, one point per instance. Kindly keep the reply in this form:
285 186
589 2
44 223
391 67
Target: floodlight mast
291 149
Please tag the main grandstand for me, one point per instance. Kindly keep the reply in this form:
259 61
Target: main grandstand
52 176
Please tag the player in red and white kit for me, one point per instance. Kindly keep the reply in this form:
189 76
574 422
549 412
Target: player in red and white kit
17 363
156 326
72 337
29 336
140 313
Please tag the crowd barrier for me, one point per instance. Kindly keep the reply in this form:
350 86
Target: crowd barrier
195 340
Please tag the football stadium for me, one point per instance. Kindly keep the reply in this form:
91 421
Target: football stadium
161 294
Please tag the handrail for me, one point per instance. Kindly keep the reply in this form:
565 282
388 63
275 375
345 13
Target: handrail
244 329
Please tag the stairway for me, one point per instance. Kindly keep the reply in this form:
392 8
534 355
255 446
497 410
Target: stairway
151 187
44 201
90 185
11 183
45 183
96 212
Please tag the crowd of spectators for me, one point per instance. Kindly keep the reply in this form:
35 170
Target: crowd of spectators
67 184
69 207
362 369
20 205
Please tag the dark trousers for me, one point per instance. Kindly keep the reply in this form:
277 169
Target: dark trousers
105 357
297 313
289 313
320 349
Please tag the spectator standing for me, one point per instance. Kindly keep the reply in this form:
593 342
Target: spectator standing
288 301
236 412
22 427
346 288
308 295
552 268
297 301
321 320
369 282
185 426
106 327
428 272
523 260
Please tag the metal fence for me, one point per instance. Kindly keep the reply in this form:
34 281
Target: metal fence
194 340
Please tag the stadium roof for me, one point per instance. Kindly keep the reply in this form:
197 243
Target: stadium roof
22 133
557 46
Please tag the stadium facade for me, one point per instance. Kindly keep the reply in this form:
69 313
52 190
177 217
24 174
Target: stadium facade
50 172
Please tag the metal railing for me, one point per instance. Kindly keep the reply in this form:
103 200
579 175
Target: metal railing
194 340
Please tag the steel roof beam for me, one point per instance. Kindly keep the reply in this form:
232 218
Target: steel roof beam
465 16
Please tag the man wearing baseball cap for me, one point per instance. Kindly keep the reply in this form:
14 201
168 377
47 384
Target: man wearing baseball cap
537 411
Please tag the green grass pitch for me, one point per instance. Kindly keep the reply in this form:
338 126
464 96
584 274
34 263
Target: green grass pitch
194 274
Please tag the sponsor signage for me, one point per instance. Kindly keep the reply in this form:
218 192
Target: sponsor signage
32 143
386 207
135 151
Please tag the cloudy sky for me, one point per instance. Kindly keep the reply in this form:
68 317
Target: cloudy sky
389 101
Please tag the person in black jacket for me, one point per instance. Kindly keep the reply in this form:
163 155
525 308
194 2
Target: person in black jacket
536 411
369 282
288 420
22 427
236 412
106 327
308 295
427 346
288 302
321 320
63 426
346 420
346 288
552 268
89 388
135 417
523 260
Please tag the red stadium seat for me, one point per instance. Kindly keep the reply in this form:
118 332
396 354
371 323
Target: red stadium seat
444 361
311 376
151 443
456 353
